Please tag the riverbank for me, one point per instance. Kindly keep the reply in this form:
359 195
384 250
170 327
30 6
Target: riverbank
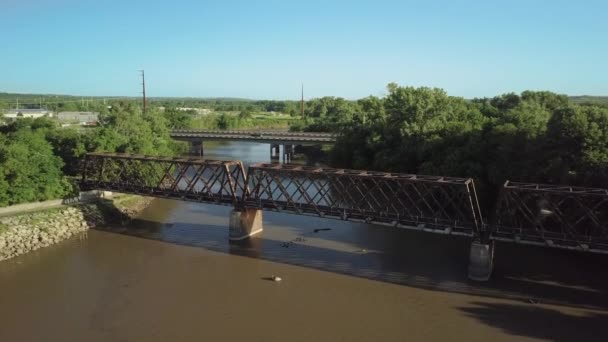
28 231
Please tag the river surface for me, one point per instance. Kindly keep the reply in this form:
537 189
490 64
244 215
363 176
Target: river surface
172 275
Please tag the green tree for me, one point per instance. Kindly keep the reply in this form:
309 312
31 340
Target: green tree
28 164
177 119
222 121
578 145
245 115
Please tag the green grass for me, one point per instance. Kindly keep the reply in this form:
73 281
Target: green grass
260 120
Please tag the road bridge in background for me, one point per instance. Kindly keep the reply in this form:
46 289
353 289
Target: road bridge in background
552 216
276 139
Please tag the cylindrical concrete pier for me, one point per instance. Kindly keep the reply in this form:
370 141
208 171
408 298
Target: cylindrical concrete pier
481 260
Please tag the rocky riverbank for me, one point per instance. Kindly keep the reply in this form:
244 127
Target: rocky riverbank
30 231
131 205
25 232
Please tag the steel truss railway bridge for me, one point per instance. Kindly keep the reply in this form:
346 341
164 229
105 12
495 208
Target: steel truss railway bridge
284 142
544 215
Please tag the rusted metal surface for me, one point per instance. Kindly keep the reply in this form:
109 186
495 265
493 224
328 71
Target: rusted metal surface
439 204
190 179
554 216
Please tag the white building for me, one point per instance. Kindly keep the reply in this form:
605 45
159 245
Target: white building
200 111
83 118
27 113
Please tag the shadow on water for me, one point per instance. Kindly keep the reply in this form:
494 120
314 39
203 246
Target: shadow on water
417 259
523 320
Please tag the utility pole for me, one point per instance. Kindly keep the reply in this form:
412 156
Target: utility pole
302 104
143 87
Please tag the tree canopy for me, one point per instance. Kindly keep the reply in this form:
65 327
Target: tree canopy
536 136
38 159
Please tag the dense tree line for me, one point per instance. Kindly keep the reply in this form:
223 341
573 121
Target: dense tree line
534 136
39 160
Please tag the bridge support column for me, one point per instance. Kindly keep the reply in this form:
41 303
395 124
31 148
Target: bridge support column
245 223
287 153
481 260
196 148
274 151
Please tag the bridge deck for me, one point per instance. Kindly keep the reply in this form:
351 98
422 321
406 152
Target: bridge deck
255 136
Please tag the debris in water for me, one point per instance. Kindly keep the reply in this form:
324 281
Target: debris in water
275 278
321 229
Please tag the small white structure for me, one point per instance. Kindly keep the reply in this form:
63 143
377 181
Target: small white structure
27 113
83 118
199 111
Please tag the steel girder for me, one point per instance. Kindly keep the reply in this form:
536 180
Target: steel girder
191 179
555 216
439 204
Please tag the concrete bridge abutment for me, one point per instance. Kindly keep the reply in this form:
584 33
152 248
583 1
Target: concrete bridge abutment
245 223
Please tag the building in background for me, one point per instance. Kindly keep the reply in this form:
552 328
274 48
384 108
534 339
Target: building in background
14 114
81 118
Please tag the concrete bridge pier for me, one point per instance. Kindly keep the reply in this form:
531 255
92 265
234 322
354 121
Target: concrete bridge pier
481 260
274 152
196 148
245 223
287 153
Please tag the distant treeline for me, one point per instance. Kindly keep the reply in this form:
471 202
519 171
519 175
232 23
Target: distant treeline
534 136
81 103
75 103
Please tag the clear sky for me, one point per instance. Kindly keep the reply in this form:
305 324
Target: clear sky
266 49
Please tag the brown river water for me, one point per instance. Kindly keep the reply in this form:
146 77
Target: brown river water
172 275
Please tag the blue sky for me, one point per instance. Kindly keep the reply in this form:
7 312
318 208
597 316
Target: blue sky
266 49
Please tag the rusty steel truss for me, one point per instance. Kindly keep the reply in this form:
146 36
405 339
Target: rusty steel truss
190 179
439 204
555 216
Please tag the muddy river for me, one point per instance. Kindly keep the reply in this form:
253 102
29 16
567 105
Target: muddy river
172 275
